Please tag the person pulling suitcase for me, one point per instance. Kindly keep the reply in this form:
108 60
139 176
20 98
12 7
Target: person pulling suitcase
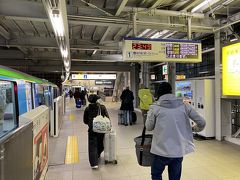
95 140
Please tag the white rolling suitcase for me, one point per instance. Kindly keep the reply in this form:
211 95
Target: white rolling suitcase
110 147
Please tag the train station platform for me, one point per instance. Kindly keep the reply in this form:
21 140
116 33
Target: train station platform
68 154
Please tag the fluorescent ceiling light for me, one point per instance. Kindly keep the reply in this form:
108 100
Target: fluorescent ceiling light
204 5
200 5
159 34
169 35
227 2
64 53
234 39
94 52
57 24
144 32
66 63
67 69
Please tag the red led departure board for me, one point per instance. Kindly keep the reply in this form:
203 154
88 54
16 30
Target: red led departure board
141 46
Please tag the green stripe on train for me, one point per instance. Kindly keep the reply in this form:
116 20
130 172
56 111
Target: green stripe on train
11 73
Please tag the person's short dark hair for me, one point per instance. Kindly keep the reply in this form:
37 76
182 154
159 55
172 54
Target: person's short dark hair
164 88
92 98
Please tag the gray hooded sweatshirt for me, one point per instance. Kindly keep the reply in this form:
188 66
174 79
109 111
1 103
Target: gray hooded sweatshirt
169 119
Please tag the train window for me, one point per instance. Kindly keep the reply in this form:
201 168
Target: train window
8 117
39 95
28 96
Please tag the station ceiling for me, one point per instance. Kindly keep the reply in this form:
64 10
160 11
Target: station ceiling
97 27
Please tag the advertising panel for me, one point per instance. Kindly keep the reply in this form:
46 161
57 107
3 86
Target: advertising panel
41 152
161 50
93 76
231 70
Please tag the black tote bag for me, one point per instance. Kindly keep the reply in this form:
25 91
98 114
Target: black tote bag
143 147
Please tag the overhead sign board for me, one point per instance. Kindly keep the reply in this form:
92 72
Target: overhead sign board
231 70
93 76
161 50
103 82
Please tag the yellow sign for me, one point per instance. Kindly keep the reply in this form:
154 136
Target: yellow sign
180 77
231 70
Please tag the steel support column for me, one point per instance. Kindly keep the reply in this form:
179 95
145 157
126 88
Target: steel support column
189 28
134 77
218 118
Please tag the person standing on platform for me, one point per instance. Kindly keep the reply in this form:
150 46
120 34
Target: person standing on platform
70 93
82 97
95 140
146 99
76 96
169 118
127 105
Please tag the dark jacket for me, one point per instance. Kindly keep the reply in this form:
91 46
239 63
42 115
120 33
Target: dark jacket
91 112
127 100
77 95
82 95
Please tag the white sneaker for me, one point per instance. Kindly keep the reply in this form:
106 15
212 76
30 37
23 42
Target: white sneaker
94 167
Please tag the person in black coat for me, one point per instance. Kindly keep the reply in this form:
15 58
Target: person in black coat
95 140
127 105
82 97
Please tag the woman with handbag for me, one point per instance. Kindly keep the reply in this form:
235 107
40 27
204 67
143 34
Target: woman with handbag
95 140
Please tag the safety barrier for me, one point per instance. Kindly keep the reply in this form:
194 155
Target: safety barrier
16 154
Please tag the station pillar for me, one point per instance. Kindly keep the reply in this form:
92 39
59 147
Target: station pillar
134 81
172 75
218 119
145 74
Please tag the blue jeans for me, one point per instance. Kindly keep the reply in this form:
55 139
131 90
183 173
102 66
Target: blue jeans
127 117
174 167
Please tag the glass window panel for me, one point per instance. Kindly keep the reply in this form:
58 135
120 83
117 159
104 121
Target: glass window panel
8 118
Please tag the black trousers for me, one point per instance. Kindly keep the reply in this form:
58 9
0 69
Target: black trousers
95 147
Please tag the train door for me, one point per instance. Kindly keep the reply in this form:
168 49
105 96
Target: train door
29 96
8 106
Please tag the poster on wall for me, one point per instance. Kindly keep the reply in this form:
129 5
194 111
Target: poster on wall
41 152
161 50
231 70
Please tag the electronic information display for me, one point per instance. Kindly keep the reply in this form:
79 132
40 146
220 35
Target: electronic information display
231 70
161 50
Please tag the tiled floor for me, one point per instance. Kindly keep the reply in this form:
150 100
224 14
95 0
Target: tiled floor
212 160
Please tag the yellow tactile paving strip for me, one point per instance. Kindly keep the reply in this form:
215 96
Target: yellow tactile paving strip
72 117
72 150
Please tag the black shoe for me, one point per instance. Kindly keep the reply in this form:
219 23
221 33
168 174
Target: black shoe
131 124
126 124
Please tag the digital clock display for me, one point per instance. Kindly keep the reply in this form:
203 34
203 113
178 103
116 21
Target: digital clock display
141 46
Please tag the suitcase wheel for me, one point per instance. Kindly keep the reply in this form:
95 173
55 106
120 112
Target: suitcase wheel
115 162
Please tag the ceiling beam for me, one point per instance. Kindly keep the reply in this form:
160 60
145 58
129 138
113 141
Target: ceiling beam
157 3
40 66
104 36
168 13
162 23
118 12
22 8
121 7
118 34
4 33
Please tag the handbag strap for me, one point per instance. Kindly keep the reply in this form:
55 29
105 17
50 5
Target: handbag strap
99 110
142 143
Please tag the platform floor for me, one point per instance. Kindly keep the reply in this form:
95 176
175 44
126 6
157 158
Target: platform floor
212 160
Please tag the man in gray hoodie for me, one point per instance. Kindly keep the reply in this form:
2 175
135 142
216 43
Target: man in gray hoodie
169 118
